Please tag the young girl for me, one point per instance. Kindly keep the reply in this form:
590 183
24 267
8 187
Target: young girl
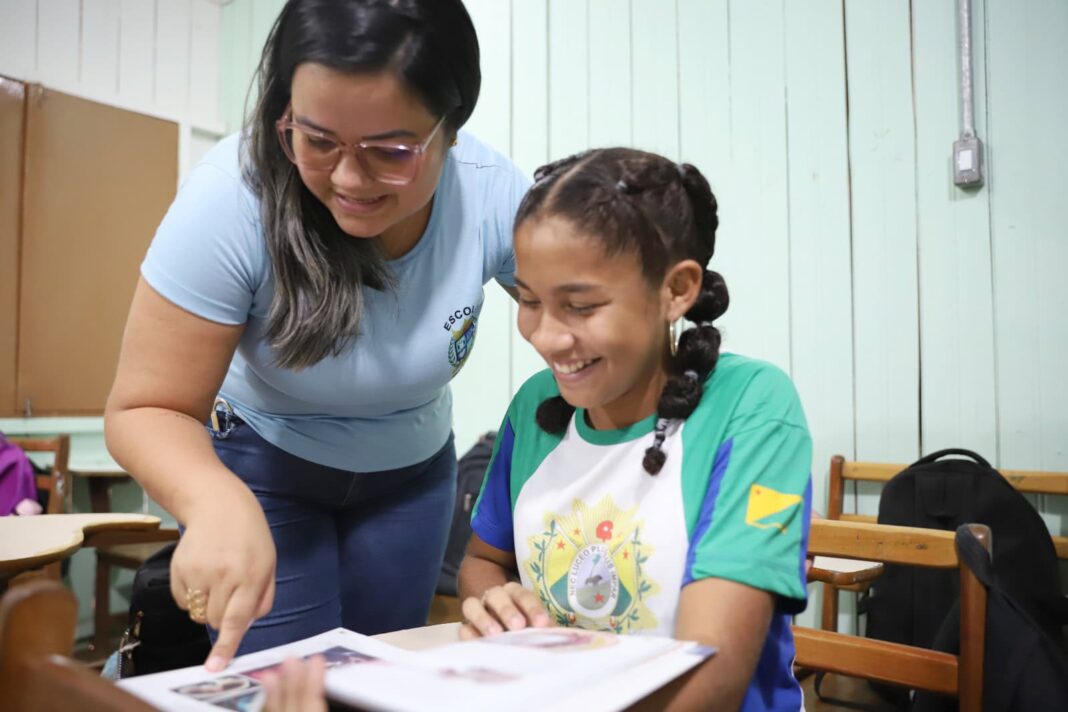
645 483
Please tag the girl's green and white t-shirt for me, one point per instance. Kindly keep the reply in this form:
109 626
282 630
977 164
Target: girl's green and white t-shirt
608 546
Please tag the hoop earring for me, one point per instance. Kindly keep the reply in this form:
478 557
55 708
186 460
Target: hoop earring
674 334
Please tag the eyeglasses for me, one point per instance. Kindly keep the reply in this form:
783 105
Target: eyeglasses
384 161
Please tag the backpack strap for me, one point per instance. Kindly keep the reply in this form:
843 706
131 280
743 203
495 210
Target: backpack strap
974 556
927 459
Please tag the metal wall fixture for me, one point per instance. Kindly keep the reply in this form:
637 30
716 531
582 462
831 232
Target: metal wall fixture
967 149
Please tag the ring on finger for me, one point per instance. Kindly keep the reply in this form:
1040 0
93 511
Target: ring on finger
197 602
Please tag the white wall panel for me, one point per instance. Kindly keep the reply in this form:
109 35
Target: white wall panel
204 59
1028 99
100 47
704 89
58 40
821 314
173 24
883 159
137 51
569 77
482 390
655 76
18 38
611 73
958 404
754 247
530 134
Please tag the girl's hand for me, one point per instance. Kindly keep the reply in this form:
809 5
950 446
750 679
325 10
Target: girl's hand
222 571
297 688
501 608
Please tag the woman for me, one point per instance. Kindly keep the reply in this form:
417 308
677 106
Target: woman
322 275
645 483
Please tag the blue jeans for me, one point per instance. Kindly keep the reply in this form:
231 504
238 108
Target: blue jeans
361 550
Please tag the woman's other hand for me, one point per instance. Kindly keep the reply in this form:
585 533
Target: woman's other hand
501 608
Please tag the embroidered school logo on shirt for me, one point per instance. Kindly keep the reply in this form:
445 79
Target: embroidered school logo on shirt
768 508
587 568
462 343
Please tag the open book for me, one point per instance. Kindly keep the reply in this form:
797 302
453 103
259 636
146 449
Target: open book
534 669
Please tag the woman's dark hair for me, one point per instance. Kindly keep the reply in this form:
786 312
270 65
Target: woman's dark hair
663 212
319 271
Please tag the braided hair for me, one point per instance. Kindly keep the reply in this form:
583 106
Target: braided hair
640 202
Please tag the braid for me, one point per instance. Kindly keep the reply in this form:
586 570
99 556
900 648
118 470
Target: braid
554 414
698 349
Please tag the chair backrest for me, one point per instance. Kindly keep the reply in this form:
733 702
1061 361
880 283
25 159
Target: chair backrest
892 663
843 471
37 626
58 481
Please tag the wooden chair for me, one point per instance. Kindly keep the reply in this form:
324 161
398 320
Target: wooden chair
57 483
37 626
844 471
893 663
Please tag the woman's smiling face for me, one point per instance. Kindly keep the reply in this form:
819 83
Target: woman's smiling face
595 319
356 107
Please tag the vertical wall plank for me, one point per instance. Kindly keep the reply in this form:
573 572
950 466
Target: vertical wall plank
882 154
236 75
1028 100
704 89
58 42
530 134
173 23
569 74
100 47
482 390
18 39
655 76
263 15
958 402
204 62
611 81
492 120
753 249
530 83
821 315
137 51
820 260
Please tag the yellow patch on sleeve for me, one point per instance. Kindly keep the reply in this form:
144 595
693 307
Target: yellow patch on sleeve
765 503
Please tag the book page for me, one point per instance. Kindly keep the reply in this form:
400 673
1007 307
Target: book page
534 668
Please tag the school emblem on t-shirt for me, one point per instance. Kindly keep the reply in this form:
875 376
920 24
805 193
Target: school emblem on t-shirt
462 343
587 568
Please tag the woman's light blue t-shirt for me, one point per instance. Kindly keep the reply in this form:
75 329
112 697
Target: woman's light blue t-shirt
385 402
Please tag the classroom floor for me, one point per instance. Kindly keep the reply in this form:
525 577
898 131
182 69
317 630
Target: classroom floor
840 687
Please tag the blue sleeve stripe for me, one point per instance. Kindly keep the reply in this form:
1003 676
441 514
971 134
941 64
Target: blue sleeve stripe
708 506
492 520
805 522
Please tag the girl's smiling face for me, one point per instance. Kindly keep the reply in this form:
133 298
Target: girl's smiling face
596 320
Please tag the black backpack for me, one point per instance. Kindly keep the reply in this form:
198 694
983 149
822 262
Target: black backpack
1023 668
160 635
909 605
471 471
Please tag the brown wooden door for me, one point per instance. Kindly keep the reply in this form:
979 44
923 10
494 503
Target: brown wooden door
12 108
98 180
